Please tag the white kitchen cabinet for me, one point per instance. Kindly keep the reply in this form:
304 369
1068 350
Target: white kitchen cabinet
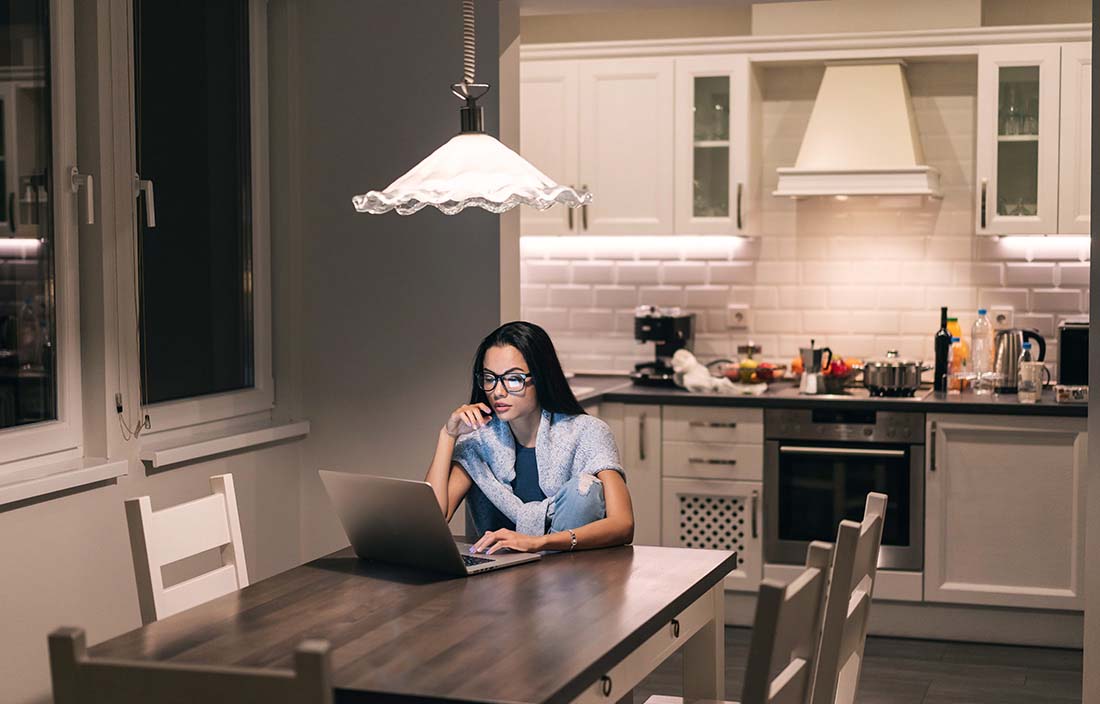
714 139
626 137
548 137
637 431
1005 502
607 127
1074 164
716 515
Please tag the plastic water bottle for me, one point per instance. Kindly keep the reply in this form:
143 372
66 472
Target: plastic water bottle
1027 389
981 353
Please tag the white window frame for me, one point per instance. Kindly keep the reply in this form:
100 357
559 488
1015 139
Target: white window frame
28 446
221 409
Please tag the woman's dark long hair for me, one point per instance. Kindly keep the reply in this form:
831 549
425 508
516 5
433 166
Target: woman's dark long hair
534 344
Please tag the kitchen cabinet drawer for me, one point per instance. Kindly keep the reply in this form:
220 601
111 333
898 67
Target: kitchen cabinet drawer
728 425
710 460
717 515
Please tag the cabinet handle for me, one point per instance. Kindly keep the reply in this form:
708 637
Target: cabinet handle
675 628
714 424
641 437
932 449
981 210
605 685
710 460
755 501
144 185
740 187
584 210
11 211
569 211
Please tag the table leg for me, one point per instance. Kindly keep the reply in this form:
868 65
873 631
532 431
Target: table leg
705 655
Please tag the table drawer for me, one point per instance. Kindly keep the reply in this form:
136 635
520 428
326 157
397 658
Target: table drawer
636 666
711 460
713 424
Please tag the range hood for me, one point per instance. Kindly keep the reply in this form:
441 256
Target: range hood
862 138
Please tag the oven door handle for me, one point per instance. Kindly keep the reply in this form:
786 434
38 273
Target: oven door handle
849 451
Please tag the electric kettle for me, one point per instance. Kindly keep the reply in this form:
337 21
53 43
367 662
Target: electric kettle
1008 347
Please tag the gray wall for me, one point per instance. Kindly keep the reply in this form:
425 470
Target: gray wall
391 307
374 318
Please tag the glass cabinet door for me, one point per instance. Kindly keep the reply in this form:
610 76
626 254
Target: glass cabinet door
712 120
1018 118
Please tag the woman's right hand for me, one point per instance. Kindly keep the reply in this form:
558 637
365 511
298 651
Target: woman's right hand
466 419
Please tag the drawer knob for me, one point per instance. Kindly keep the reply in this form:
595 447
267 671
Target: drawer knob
605 685
675 628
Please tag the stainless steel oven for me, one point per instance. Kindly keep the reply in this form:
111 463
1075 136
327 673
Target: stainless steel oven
819 466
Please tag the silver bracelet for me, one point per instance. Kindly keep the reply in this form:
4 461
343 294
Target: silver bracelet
572 539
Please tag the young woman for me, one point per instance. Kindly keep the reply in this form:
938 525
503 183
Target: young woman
538 472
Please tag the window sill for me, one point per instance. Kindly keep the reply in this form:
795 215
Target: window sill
165 453
50 479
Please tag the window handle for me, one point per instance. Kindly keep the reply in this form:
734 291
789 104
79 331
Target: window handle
569 214
932 448
87 182
981 209
755 505
144 185
584 210
740 187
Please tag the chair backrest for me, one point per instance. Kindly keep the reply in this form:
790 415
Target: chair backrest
158 538
848 605
78 679
785 634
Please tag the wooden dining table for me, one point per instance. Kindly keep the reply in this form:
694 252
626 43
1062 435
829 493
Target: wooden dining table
582 626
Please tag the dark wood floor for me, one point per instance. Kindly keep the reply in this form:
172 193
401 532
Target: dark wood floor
899 671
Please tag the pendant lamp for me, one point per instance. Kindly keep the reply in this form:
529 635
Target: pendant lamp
473 169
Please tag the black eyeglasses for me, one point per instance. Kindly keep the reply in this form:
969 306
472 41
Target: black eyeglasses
514 382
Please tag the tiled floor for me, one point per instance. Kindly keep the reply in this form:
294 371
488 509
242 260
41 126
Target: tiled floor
898 671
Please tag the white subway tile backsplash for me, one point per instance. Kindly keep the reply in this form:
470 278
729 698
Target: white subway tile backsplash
917 323
927 273
661 296
956 298
592 320
658 248
533 296
547 272
875 322
804 297
732 272
706 296
638 272
899 297
593 272
1029 274
851 297
616 296
949 248
827 272
777 272
827 321
1040 322
553 320
1014 298
624 321
979 273
570 296
1073 274
1055 299
763 297
684 273
777 321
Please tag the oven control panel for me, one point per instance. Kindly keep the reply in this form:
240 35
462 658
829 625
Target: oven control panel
845 425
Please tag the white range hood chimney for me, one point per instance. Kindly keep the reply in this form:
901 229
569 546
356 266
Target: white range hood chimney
862 138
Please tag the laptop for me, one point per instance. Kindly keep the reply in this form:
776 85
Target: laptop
399 521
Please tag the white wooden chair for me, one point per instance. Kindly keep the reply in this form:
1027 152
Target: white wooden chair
848 605
79 679
158 538
785 636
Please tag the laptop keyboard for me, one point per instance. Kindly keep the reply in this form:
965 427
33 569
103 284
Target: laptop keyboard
471 560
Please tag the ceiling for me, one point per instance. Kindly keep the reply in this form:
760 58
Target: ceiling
574 7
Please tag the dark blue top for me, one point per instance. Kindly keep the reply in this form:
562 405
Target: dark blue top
525 486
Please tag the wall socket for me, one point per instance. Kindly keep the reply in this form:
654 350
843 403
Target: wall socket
1001 317
738 316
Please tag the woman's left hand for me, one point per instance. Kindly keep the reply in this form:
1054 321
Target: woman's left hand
497 540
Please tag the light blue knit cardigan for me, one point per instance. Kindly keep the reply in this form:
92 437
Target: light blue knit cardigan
566 446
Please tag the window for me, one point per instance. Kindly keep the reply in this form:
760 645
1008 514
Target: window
199 129
39 340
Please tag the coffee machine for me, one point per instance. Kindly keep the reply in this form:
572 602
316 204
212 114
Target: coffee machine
671 330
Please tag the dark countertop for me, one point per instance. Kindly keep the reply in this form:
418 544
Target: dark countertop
620 389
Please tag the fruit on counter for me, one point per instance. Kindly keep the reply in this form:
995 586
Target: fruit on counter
747 369
838 368
796 365
765 371
853 362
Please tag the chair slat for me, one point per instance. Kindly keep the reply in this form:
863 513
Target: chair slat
188 529
198 590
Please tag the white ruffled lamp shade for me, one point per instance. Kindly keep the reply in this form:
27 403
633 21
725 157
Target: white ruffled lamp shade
472 169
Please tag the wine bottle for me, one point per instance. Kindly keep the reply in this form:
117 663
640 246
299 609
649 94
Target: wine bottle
943 348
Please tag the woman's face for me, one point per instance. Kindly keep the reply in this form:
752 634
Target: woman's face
508 365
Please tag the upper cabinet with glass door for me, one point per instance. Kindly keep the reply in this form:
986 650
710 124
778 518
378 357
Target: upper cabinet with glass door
713 121
1074 164
1020 125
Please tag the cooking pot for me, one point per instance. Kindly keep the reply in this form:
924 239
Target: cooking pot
892 376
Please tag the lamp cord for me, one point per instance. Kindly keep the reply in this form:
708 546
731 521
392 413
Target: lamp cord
468 43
